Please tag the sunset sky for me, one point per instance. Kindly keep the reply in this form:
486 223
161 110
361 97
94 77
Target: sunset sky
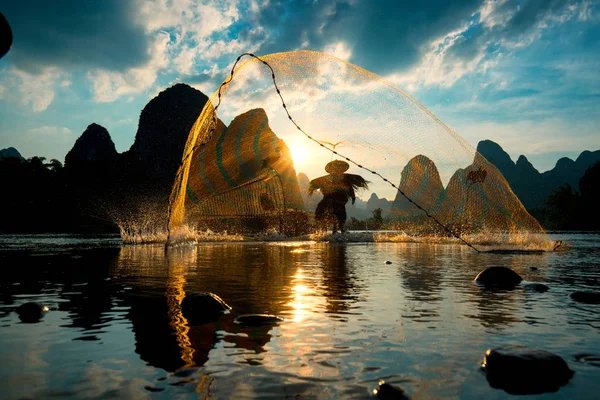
525 74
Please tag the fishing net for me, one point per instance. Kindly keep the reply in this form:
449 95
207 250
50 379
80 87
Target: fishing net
286 114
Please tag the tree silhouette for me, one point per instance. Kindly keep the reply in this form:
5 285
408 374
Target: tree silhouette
562 208
590 197
55 165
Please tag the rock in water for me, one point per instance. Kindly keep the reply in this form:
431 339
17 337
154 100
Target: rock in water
498 277
537 287
31 312
386 391
586 297
519 370
203 307
591 359
258 319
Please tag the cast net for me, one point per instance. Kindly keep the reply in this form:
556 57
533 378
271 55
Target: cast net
279 119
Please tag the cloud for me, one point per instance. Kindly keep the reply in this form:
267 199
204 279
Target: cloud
74 33
125 121
383 35
50 130
109 85
494 31
438 66
125 47
199 19
35 90
339 49
586 11
183 37
185 60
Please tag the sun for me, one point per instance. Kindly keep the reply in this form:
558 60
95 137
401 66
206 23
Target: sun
300 152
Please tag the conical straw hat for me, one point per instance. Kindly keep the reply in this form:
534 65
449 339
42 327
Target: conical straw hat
337 166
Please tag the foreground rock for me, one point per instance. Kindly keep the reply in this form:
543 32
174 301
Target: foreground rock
586 297
498 277
386 391
203 307
31 312
519 370
536 287
258 319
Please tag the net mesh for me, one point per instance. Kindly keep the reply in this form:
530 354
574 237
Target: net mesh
294 112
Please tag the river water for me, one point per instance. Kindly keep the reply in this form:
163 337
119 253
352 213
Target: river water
115 329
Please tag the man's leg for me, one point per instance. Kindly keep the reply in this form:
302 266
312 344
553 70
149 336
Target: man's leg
339 214
342 227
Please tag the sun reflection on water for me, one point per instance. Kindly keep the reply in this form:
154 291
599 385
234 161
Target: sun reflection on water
299 291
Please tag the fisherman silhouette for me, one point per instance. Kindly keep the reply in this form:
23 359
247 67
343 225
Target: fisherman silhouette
337 188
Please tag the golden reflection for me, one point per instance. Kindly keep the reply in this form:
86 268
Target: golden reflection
299 290
300 335
298 251
175 294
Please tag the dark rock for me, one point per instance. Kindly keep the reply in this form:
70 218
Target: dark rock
388 262
203 307
536 287
590 359
498 277
586 297
258 319
31 312
519 370
388 392
153 389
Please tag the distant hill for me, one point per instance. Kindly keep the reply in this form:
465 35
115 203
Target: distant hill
111 185
164 126
139 181
236 155
94 145
375 202
10 152
421 182
309 201
531 186
468 203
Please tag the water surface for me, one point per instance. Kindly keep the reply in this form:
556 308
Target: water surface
116 331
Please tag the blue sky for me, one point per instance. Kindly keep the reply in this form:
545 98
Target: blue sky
525 74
